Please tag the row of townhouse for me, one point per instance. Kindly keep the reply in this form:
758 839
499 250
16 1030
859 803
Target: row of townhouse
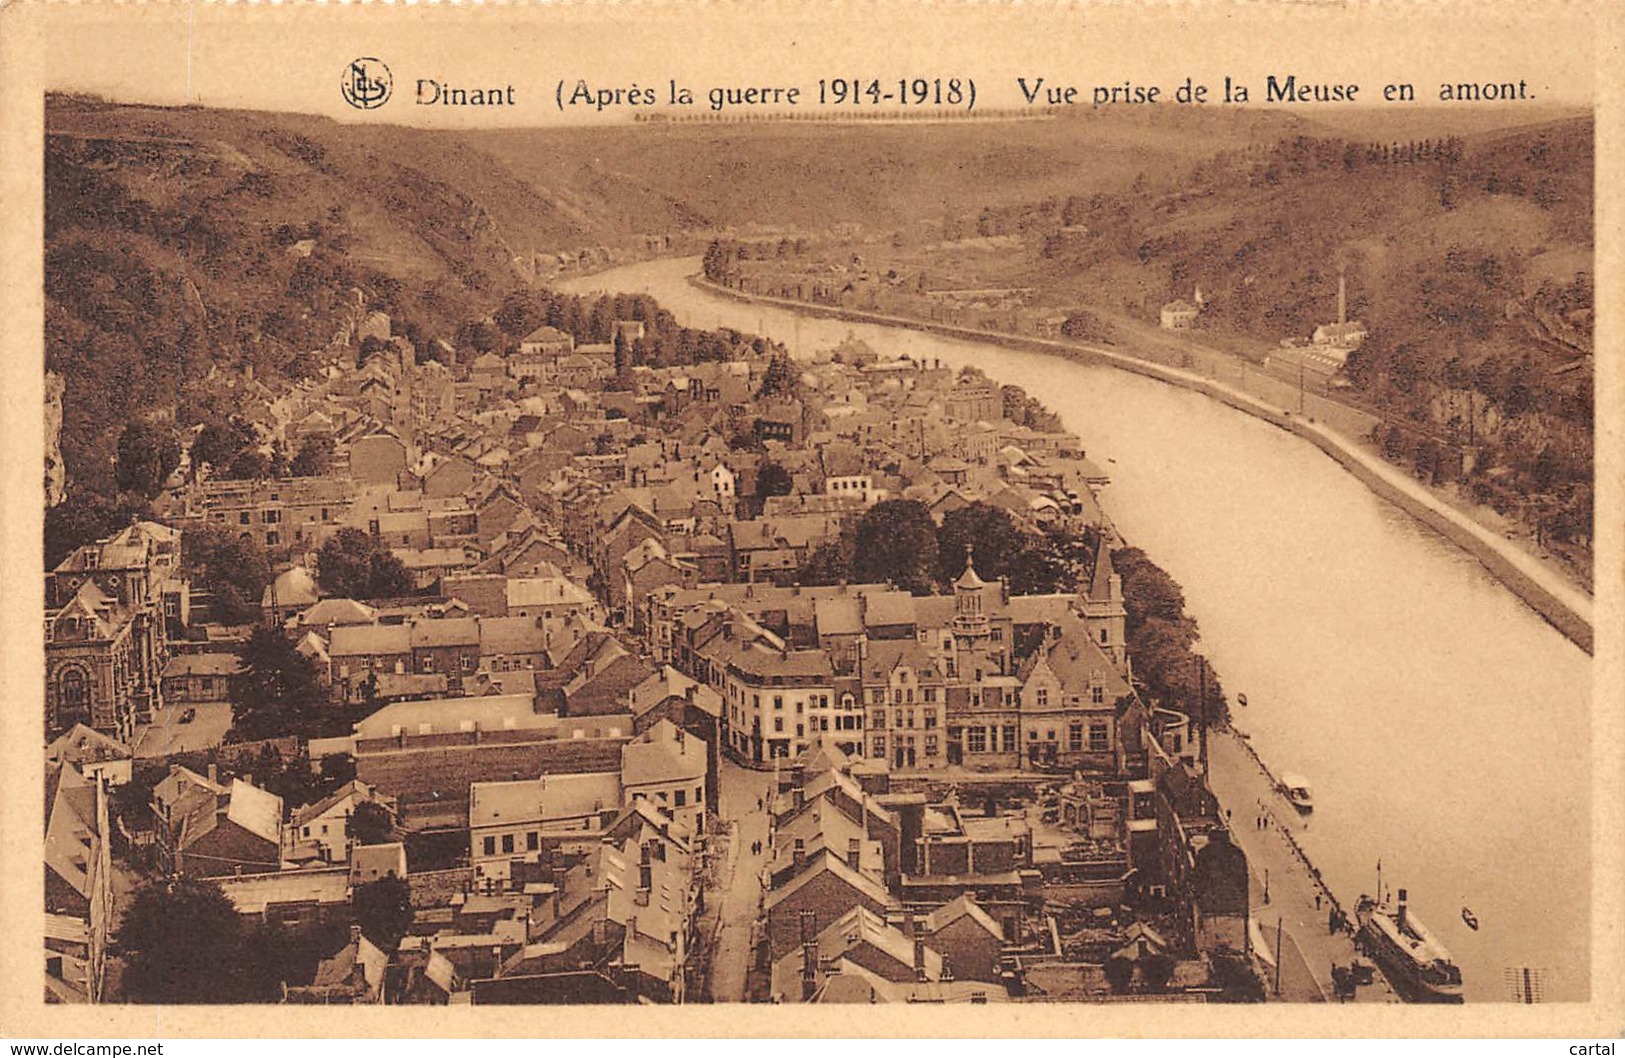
980 679
453 647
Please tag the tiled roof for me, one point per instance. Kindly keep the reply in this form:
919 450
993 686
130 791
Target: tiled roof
255 810
663 754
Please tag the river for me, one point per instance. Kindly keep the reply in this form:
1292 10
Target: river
1444 725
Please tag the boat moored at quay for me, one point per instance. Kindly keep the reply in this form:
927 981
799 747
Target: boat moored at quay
1419 967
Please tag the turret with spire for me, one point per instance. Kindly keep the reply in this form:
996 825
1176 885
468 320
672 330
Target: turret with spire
1103 608
970 615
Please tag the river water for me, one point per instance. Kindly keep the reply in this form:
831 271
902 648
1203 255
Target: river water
1444 725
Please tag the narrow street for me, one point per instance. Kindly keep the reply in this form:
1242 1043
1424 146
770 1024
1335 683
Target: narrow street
1283 891
742 790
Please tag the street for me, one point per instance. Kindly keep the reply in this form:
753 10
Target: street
742 894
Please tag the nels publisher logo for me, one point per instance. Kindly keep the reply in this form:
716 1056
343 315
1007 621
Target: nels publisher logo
366 84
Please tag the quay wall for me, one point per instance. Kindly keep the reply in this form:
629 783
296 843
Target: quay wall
1448 524
1286 832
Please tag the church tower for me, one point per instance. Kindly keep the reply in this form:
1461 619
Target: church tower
1103 609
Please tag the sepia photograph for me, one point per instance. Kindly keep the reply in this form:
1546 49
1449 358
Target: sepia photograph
645 506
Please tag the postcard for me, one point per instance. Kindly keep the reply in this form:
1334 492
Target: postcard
1101 517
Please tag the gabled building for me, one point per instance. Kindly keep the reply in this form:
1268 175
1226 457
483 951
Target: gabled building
970 942
354 975
510 820
107 632
859 942
78 885
826 889
624 931
322 832
666 767
205 833
1077 708
93 754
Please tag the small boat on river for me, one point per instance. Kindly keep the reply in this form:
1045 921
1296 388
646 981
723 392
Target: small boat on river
1296 789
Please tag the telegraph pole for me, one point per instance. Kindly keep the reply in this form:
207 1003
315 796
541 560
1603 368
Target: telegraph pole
1278 921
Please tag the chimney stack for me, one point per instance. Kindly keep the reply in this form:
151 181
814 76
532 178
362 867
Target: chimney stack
809 955
1342 299
1399 919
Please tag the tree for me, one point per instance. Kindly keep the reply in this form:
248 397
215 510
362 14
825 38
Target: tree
1119 973
1156 971
478 335
780 379
314 458
147 455
82 517
351 565
521 313
279 460
897 542
279 688
370 824
1148 592
1162 638
217 444
232 568
828 564
993 534
183 943
249 465
773 480
337 768
277 954
622 379
383 910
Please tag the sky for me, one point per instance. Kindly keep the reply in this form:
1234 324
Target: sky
279 57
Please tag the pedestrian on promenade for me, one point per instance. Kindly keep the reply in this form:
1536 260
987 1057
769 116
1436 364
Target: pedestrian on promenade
1317 901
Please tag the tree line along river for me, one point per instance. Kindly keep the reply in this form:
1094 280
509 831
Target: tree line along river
1444 725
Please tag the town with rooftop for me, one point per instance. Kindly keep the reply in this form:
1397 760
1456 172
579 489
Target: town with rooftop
623 663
